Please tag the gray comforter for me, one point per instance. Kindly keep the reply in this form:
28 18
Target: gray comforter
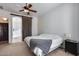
43 44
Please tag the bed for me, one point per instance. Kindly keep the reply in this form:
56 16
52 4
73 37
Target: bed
47 39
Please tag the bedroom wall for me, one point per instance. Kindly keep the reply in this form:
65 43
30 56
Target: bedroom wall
34 25
75 22
61 20
56 20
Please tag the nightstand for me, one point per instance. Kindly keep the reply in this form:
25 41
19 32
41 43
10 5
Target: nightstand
72 47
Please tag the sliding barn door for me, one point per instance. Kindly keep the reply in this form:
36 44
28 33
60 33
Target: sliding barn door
26 26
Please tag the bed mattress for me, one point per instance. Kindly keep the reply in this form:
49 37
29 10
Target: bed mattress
56 40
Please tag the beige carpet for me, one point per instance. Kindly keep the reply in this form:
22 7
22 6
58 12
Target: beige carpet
21 49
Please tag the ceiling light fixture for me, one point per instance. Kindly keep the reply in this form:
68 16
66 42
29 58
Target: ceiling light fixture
26 11
5 19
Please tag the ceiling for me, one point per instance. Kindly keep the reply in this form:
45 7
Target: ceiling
40 7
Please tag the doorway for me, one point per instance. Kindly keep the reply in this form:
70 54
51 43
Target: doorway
4 32
4 29
16 29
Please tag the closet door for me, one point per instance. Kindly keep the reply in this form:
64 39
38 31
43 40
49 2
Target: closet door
26 26
3 31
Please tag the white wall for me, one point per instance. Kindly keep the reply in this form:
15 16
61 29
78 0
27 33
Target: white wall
34 25
75 22
61 20
57 20
4 13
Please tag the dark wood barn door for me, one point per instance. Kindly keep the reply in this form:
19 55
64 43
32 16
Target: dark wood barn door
26 26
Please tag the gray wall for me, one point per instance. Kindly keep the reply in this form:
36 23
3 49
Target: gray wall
60 20
75 22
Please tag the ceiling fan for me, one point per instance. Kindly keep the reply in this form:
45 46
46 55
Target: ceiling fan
27 9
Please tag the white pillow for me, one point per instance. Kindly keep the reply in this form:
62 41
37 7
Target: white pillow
50 36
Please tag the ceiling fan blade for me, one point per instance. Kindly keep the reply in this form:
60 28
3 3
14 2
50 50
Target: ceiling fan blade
32 10
21 10
29 5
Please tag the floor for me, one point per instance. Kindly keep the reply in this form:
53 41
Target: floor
21 49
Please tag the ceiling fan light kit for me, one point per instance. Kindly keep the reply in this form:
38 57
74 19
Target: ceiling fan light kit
26 11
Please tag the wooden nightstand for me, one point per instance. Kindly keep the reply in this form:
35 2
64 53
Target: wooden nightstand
72 46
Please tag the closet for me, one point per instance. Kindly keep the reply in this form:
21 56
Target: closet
26 26
3 30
